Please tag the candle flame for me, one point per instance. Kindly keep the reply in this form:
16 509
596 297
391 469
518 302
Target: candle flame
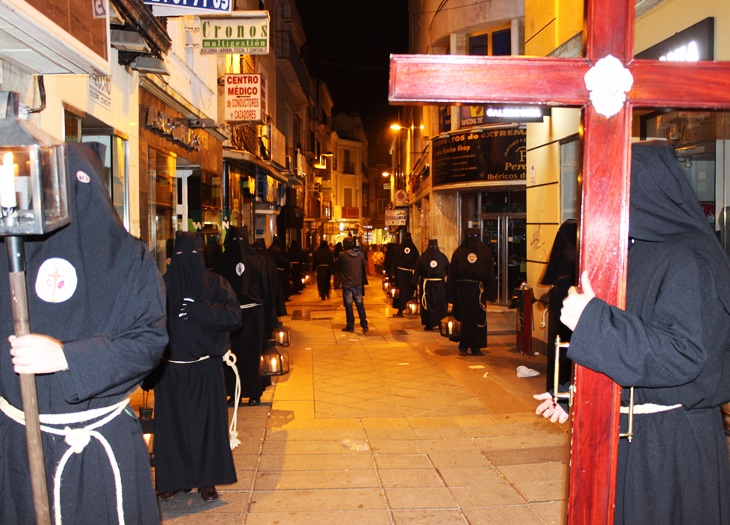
8 158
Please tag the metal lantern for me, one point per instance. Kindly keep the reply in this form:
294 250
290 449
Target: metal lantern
413 307
393 292
450 327
274 362
33 201
386 283
33 192
281 336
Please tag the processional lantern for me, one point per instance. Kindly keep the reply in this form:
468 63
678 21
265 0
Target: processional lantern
413 307
450 327
274 362
281 337
33 201
393 292
386 283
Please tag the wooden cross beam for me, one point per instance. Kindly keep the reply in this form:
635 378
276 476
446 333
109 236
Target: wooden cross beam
452 79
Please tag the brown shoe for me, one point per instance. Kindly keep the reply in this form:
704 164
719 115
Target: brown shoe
208 493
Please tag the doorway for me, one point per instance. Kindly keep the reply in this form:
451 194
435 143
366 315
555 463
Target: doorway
506 235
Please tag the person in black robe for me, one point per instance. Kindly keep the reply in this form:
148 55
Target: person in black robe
283 267
472 283
248 273
561 275
404 265
279 298
671 344
324 263
432 268
298 261
97 314
192 446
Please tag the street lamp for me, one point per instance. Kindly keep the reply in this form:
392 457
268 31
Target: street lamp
322 165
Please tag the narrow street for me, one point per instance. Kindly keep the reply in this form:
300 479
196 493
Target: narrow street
391 428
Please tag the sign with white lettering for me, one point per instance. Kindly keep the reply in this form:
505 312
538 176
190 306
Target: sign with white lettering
189 7
240 35
396 217
477 115
488 155
245 98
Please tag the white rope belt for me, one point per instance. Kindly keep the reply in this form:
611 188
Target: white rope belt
249 305
230 359
187 362
405 269
423 294
77 439
649 408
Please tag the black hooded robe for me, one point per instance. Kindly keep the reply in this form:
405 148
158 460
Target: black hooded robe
560 273
673 345
110 317
277 251
472 282
432 268
324 262
279 298
404 264
192 446
298 260
247 271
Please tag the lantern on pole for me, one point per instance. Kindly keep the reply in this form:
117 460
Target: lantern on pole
386 283
393 292
33 201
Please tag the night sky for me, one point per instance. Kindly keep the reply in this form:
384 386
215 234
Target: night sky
349 46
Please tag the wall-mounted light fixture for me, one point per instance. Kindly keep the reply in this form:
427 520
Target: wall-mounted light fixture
128 41
149 65
321 165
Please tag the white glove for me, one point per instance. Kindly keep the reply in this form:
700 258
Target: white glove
550 409
575 303
183 314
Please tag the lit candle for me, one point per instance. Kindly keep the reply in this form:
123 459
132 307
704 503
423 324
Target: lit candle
451 326
281 337
7 182
274 364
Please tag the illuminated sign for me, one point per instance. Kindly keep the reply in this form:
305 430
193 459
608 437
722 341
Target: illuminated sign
188 7
245 98
477 115
689 45
240 35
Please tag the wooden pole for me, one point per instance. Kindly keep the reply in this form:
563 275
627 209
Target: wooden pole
16 265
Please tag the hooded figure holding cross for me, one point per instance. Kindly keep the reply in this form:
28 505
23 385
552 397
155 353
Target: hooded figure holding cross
671 344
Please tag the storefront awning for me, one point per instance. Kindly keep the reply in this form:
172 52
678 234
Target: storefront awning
245 157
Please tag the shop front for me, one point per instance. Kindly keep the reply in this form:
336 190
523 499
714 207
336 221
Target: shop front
182 187
478 181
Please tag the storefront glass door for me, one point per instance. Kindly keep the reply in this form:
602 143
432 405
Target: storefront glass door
506 235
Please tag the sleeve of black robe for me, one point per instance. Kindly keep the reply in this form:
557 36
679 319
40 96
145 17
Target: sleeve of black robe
108 366
668 340
222 312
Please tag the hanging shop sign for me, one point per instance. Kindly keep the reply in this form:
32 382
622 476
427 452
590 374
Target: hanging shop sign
695 43
396 217
241 35
245 98
189 7
488 155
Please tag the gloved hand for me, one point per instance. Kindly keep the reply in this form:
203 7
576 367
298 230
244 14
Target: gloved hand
550 409
183 314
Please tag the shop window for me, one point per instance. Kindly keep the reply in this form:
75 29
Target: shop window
161 197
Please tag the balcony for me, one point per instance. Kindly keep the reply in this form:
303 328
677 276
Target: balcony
292 66
350 212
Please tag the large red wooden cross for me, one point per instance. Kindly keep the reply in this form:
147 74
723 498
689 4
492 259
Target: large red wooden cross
609 30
